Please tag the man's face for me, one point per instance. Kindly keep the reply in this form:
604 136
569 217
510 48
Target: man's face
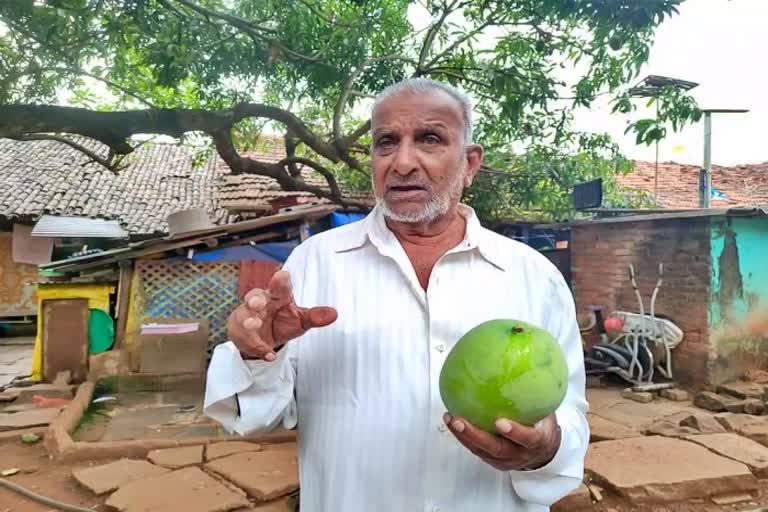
421 164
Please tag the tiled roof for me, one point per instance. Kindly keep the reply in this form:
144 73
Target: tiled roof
38 177
249 192
743 185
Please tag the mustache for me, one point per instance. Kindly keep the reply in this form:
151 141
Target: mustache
410 180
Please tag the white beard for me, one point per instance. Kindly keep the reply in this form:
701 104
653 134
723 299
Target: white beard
437 206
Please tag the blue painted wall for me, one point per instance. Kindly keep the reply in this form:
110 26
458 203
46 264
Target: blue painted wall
739 286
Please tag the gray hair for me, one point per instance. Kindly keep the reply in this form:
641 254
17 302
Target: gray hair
423 85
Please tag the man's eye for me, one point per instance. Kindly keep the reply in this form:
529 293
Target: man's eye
432 139
385 142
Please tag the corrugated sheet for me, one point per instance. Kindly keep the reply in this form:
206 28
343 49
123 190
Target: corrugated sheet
78 227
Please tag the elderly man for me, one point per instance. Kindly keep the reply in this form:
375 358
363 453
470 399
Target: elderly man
348 340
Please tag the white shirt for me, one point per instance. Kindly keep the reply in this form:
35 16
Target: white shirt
364 390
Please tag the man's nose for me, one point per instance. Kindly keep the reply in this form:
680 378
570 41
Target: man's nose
405 161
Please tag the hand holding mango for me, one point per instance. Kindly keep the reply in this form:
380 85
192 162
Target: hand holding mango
502 383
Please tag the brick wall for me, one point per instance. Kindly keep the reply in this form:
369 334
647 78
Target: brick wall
601 254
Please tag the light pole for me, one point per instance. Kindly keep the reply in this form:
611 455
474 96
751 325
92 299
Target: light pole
705 181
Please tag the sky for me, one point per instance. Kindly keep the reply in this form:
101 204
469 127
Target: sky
723 46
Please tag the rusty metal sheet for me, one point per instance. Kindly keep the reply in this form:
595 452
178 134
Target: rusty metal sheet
18 283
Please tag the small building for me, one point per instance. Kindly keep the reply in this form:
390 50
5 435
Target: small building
192 277
714 274
46 180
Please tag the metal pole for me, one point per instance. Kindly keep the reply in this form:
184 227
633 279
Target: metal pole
707 158
656 170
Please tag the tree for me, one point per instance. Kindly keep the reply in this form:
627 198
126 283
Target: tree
225 68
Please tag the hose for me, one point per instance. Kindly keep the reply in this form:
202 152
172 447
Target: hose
41 499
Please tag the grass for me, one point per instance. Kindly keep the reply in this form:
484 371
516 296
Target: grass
97 412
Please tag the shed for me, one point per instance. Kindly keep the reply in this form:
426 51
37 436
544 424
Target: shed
714 276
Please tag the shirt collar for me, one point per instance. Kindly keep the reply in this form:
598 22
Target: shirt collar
373 229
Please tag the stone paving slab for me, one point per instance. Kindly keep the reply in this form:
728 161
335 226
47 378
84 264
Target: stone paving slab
264 475
601 429
281 505
219 450
9 395
577 500
188 490
36 418
737 448
662 469
109 477
609 404
175 458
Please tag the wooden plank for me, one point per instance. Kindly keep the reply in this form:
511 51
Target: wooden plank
123 300
65 338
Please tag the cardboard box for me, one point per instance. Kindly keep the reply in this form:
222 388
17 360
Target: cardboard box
172 353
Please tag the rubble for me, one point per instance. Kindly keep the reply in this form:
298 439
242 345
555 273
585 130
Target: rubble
643 397
704 424
712 401
675 394
742 389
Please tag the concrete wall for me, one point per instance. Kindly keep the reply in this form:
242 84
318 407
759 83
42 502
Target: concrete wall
600 257
739 285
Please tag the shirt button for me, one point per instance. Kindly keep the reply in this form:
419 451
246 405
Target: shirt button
440 347
435 509
442 428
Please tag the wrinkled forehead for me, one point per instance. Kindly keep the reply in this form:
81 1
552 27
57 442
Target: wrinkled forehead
417 108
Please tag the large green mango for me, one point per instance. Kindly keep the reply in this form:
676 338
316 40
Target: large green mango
504 369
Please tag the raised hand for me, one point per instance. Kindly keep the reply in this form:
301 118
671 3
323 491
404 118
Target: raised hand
269 318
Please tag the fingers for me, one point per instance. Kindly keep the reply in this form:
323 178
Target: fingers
280 289
244 330
482 443
519 434
317 317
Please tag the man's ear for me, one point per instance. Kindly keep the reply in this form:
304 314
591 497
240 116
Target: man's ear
474 156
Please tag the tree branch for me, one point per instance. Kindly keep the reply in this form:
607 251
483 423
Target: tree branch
359 132
339 141
333 185
233 20
105 81
290 151
296 125
432 33
104 162
253 30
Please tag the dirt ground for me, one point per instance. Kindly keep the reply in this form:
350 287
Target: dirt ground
40 474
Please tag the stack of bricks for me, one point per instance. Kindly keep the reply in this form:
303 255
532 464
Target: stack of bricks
601 255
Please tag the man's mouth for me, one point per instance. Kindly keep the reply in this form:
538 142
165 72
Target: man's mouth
405 188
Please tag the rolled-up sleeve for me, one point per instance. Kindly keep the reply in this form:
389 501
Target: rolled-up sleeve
565 472
249 397
255 396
